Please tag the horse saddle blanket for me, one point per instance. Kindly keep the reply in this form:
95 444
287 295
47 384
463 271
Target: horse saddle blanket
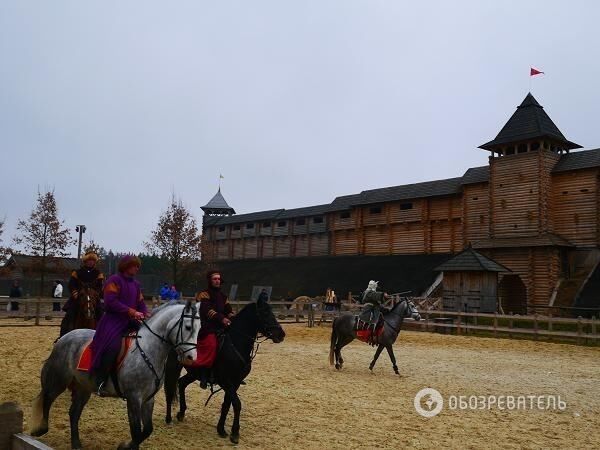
366 329
87 356
369 334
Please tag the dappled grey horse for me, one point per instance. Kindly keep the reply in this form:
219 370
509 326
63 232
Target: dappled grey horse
343 331
171 327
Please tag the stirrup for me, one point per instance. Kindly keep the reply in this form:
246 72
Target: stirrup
101 392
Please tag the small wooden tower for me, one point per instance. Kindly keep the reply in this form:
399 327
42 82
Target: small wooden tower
470 282
217 206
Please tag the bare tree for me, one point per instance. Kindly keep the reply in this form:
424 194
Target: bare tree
176 238
43 234
4 251
93 246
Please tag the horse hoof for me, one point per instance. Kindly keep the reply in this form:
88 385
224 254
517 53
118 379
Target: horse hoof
180 415
222 433
168 420
234 438
39 432
338 367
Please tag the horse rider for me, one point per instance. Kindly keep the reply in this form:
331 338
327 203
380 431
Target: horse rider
216 314
124 310
87 275
372 301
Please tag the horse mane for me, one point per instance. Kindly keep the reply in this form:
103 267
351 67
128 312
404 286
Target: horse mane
398 304
244 311
159 309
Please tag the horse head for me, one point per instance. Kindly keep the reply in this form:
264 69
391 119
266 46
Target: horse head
88 299
182 330
407 308
268 325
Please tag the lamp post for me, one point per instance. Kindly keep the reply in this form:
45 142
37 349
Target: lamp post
80 229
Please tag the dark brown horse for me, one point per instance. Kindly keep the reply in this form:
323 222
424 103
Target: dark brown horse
88 303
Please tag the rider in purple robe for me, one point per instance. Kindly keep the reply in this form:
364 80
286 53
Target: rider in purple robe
124 309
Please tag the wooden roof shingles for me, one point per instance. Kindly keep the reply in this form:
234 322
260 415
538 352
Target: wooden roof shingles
529 121
471 261
307 211
578 160
543 240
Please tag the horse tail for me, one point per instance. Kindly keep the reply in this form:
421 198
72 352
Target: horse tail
39 420
37 416
333 342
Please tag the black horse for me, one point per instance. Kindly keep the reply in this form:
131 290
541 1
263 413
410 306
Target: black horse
343 331
232 365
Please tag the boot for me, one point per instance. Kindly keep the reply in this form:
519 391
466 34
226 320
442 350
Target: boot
103 372
204 372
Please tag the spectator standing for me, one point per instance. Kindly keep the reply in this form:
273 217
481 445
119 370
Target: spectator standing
57 292
15 292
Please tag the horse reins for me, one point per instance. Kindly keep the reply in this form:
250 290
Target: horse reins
389 324
179 323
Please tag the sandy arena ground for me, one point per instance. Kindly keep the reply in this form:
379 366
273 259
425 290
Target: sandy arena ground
294 399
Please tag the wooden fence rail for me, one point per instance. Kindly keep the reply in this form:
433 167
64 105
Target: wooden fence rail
314 312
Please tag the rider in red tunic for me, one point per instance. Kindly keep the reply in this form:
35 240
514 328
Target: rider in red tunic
215 313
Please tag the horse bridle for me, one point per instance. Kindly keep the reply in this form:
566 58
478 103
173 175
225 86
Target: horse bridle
179 326
256 339
410 306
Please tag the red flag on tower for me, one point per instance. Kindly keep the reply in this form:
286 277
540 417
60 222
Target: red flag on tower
533 72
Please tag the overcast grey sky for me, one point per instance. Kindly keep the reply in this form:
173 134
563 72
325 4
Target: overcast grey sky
117 104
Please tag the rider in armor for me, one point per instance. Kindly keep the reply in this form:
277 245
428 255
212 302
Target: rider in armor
89 276
372 301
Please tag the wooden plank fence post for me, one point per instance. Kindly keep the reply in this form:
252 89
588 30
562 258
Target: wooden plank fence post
594 330
495 324
427 320
550 325
579 330
458 323
510 325
535 326
37 311
11 417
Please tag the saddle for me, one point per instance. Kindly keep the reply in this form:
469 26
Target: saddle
368 330
85 360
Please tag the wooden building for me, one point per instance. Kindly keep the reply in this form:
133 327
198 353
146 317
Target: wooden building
534 209
470 282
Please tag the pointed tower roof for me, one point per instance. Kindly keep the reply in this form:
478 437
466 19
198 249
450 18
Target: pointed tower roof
218 206
529 121
471 261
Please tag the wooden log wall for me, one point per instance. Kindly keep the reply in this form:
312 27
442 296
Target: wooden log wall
515 188
475 213
538 267
575 206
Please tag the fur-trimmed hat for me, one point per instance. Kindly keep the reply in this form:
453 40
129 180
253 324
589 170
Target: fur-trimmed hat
127 261
90 255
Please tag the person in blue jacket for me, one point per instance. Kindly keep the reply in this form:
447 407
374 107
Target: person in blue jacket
164 292
173 294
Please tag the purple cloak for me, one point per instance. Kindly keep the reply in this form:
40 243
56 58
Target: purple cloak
122 297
